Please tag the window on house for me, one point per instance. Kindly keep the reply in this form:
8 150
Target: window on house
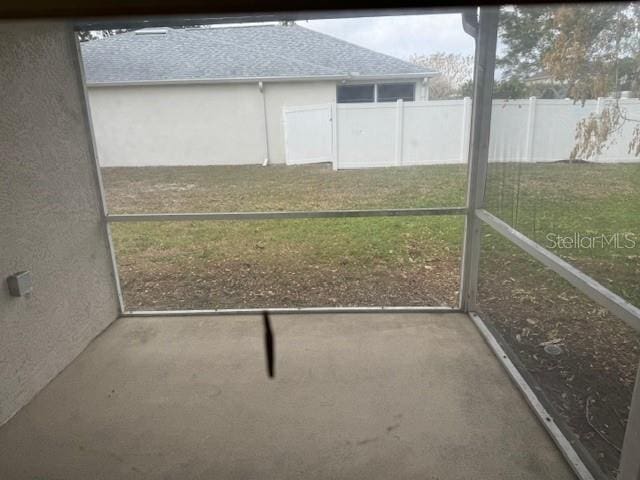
356 93
386 92
390 92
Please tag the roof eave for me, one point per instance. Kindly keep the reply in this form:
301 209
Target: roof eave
310 78
393 76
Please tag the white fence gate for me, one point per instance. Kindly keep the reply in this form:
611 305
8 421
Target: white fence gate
437 132
308 134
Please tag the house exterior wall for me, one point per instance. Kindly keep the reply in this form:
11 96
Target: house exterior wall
201 124
50 217
288 94
215 124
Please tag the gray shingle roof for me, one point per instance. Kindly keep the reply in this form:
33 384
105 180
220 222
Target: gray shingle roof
264 51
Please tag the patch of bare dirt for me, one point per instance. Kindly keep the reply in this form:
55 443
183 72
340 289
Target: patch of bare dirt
584 359
237 284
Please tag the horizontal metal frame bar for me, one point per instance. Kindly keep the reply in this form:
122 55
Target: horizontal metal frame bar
286 311
127 19
587 285
189 217
561 441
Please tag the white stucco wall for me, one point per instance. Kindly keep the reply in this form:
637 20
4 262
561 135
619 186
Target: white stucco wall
289 94
205 124
49 218
215 124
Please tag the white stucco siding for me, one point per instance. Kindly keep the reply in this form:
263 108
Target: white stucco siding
206 124
215 124
289 94
50 216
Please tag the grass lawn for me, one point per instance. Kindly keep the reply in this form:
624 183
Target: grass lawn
561 200
404 260
278 187
538 199
311 262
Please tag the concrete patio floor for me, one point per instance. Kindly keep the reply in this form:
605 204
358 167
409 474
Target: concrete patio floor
366 396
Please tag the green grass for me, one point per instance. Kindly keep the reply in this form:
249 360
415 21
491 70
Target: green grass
317 240
538 199
278 187
545 201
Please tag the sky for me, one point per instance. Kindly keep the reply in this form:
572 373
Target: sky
400 36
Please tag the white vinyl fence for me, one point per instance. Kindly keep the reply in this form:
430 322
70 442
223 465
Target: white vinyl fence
301 147
437 132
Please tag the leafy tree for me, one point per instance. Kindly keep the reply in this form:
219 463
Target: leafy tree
511 88
454 71
592 50
525 32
